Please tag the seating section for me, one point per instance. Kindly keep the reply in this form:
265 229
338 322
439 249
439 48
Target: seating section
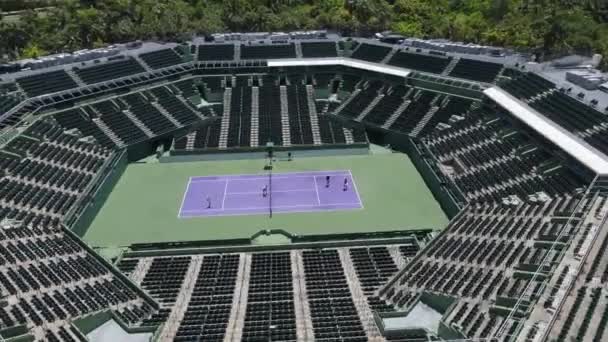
477 259
299 116
270 314
268 51
362 99
208 308
270 127
163 282
109 70
49 278
421 103
332 310
175 106
393 98
239 129
374 267
371 53
44 171
113 117
161 58
576 117
420 62
149 115
319 49
216 52
476 70
489 161
45 83
527 85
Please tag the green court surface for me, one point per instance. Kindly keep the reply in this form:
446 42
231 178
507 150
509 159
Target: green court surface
144 204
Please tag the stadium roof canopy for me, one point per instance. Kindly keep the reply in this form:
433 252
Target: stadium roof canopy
571 144
347 62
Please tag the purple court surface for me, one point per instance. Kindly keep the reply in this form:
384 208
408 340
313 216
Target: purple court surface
290 192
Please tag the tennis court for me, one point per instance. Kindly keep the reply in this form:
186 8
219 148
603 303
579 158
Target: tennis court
144 205
270 193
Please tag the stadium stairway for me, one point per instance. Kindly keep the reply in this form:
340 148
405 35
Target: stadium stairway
138 123
397 113
370 106
346 101
389 56
225 118
314 118
234 331
107 131
76 78
366 315
448 69
164 112
181 303
255 116
285 117
348 136
427 117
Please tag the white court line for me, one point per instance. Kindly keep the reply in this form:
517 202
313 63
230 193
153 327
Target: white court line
179 213
317 190
273 191
264 207
261 177
265 173
352 179
225 191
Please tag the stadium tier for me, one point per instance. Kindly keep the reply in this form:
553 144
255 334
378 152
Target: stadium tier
161 58
319 49
428 63
216 52
476 70
300 189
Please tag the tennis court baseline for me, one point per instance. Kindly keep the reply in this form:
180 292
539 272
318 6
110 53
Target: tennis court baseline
286 192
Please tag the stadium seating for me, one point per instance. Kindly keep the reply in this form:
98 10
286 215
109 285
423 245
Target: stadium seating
332 310
148 114
270 312
387 105
268 51
462 261
51 278
175 106
360 100
416 61
576 117
415 111
113 117
53 170
476 70
270 128
299 116
45 83
163 282
208 309
319 49
161 58
239 129
487 167
216 52
371 53
109 71
81 120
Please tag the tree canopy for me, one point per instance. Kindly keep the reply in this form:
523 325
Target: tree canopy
542 26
